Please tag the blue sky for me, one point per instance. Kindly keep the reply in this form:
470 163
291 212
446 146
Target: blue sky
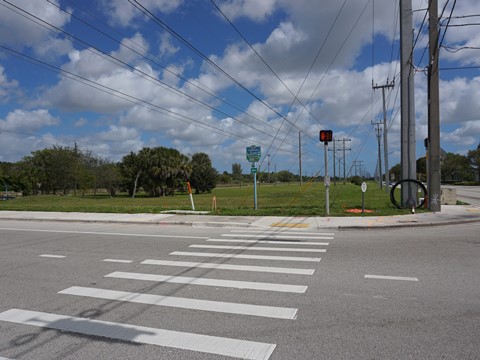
108 77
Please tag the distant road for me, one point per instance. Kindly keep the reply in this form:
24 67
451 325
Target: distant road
468 194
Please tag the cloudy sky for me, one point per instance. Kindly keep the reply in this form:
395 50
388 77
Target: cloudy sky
114 76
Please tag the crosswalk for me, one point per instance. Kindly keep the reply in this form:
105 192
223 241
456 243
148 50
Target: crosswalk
235 246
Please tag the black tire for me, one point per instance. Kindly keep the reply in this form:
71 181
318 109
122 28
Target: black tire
416 182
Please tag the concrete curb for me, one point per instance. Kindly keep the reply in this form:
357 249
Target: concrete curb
453 216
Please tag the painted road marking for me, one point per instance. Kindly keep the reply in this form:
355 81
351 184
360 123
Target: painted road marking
290 225
118 261
242 256
52 256
383 277
257 248
209 282
105 233
280 232
270 242
144 335
266 269
184 303
277 236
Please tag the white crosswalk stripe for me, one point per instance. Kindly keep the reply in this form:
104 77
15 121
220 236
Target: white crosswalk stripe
184 303
209 282
283 242
277 236
242 256
257 248
242 241
265 269
140 334
281 232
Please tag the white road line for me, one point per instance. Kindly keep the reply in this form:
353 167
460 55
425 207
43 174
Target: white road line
266 269
277 232
257 248
52 256
106 233
383 277
210 282
3 358
275 236
144 335
118 261
184 303
270 242
242 256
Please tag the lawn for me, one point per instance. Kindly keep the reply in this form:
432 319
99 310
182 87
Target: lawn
279 199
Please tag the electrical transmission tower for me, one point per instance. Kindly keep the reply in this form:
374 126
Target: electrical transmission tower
378 131
385 129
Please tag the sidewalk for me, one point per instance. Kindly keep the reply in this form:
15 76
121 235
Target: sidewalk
450 214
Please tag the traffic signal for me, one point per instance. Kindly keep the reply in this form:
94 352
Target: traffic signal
326 135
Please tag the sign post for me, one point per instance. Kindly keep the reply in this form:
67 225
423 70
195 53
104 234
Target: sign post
254 154
326 136
364 188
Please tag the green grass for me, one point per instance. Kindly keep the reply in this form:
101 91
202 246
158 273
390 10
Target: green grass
281 200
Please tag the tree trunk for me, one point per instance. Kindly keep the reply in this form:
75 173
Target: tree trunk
135 185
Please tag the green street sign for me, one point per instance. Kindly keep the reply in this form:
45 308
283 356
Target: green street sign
253 170
254 153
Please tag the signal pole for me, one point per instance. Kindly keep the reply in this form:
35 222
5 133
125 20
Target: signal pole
385 131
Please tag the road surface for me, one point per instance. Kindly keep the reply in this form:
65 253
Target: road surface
468 194
105 291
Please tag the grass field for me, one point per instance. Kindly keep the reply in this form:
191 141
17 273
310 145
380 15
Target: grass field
280 199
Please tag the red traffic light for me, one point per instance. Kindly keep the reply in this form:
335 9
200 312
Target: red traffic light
326 135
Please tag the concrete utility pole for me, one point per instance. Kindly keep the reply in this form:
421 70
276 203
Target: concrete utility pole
385 132
334 164
434 176
300 155
268 163
407 138
378 131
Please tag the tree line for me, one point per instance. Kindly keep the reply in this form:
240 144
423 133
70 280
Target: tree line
454 167
62 170
159 171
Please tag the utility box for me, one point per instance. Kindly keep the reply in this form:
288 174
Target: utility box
449 196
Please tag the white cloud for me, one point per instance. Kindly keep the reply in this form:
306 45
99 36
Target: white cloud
18 127
8 88
167 48
252 9
20 31
28 121
123 13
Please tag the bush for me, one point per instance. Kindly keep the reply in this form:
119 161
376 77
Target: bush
357 180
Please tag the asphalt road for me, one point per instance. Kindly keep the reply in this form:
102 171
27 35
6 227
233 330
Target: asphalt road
468 194
87 291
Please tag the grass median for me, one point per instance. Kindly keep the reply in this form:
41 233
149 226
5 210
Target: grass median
273 200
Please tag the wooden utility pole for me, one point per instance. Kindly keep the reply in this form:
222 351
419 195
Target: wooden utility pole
433 142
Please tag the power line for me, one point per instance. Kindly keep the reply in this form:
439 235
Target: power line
139 72
207 59
122 95
167 69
